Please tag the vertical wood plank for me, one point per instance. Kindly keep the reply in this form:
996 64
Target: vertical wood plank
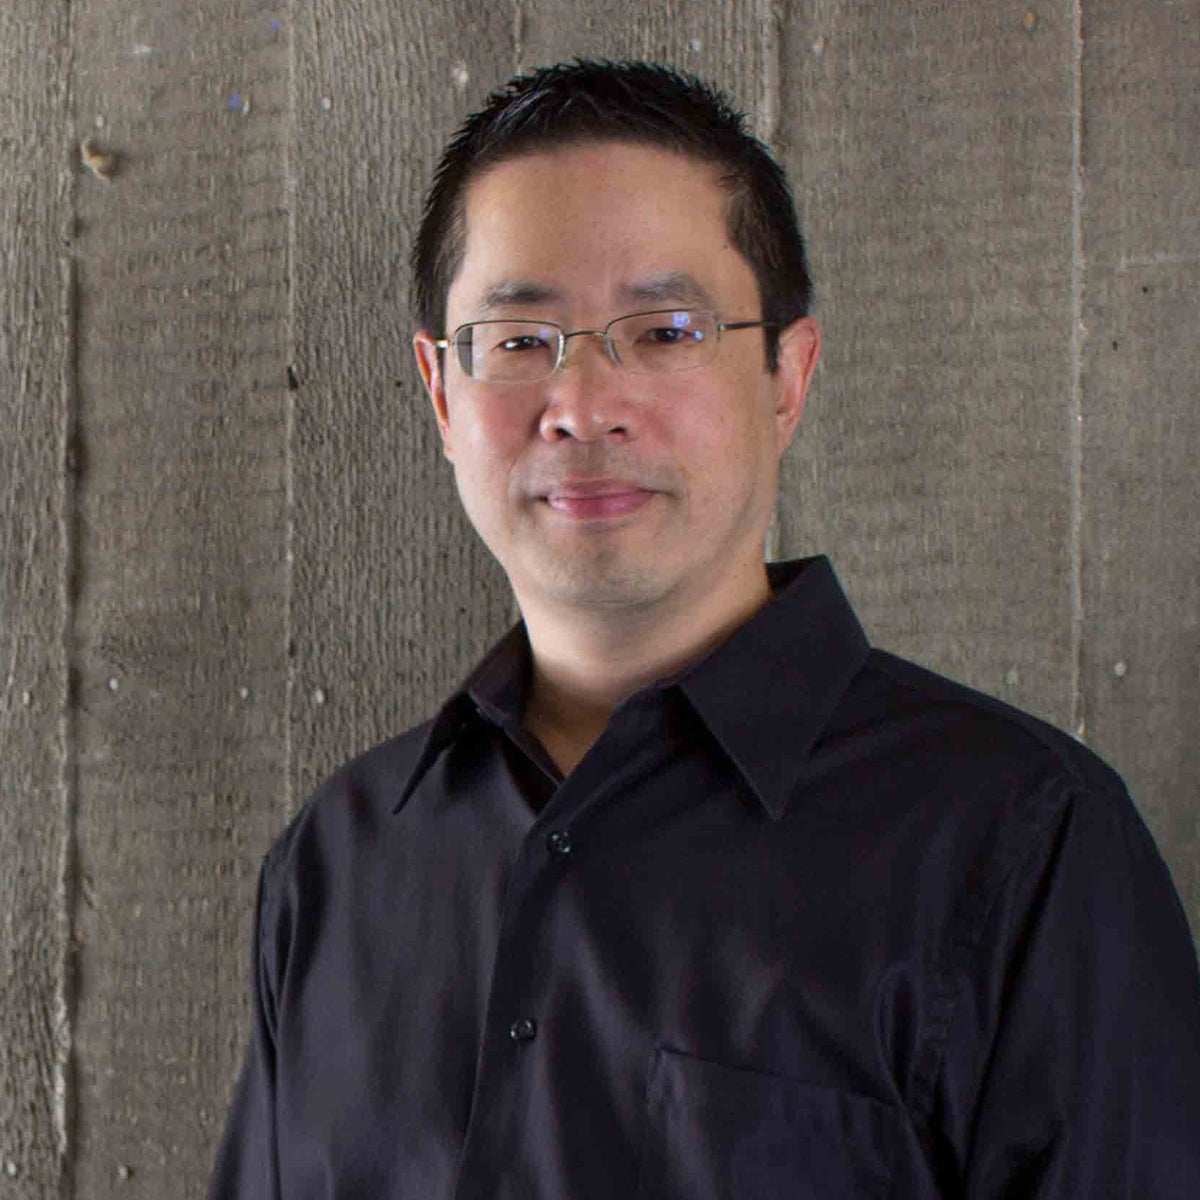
1141 413
735 45
931 149
181 621
394 595
34 414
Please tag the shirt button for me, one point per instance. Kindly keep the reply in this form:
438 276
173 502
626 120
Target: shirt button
559 843
523 1030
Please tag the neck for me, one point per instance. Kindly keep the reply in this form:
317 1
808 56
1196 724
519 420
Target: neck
586 663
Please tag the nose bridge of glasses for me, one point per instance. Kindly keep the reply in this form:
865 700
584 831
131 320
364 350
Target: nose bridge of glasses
610 349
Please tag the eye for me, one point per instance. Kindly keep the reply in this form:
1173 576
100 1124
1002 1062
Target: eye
523 341
667 335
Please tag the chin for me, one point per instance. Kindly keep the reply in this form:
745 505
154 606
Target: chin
601 582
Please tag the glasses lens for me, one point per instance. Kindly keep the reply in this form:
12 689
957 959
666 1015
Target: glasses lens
656 343
508 351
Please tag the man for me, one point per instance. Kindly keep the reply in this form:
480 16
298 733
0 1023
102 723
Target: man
688 892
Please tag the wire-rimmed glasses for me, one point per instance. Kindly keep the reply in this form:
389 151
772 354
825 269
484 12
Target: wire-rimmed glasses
647 343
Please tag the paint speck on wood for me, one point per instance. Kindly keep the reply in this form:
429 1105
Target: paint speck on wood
101 163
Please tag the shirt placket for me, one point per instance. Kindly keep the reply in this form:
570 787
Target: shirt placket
500 1158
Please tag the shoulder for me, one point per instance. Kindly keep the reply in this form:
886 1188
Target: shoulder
962 781
1057 948
970 731
1041 827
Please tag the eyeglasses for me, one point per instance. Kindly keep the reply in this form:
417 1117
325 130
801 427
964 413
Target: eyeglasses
648 343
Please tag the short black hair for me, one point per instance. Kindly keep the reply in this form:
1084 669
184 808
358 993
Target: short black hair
587 101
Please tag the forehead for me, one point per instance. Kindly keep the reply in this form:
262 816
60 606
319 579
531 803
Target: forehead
592 222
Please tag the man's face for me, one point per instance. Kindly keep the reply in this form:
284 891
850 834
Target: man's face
598 488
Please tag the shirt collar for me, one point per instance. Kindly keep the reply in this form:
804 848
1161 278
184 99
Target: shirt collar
764 694
768 690
495 689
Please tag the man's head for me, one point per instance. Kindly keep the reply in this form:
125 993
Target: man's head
614 424
643 103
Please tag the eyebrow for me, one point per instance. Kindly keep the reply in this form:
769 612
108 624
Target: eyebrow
510 292
673 287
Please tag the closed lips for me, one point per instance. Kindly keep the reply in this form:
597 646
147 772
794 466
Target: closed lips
606 498
583 491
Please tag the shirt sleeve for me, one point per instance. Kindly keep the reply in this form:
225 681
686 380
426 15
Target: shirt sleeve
1073 1063
247 1161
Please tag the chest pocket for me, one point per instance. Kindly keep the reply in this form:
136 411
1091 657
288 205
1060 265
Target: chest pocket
724 1133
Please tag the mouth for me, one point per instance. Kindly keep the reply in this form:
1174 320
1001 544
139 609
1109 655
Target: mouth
596 500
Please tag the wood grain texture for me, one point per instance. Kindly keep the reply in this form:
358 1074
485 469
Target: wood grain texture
181 619
34 415
931 150
394 596
736 45
249 585
1141 413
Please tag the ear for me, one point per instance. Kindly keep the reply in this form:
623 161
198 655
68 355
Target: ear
799 351
429 363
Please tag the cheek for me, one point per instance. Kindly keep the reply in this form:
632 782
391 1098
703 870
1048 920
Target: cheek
724 448
486 444
483 433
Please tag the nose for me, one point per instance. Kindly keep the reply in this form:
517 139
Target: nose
587 398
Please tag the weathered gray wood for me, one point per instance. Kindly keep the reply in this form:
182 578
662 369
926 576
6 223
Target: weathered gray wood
394 596
181 620
931 148
736 45
34 356
941 463
1141 413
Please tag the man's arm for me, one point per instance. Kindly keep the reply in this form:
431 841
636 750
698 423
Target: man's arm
247 1162
1073 1064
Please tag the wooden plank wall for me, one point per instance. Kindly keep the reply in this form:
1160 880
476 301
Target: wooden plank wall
35 498
230 554
180 615
1140 664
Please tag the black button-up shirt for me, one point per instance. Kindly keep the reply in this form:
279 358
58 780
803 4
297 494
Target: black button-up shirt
807 921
